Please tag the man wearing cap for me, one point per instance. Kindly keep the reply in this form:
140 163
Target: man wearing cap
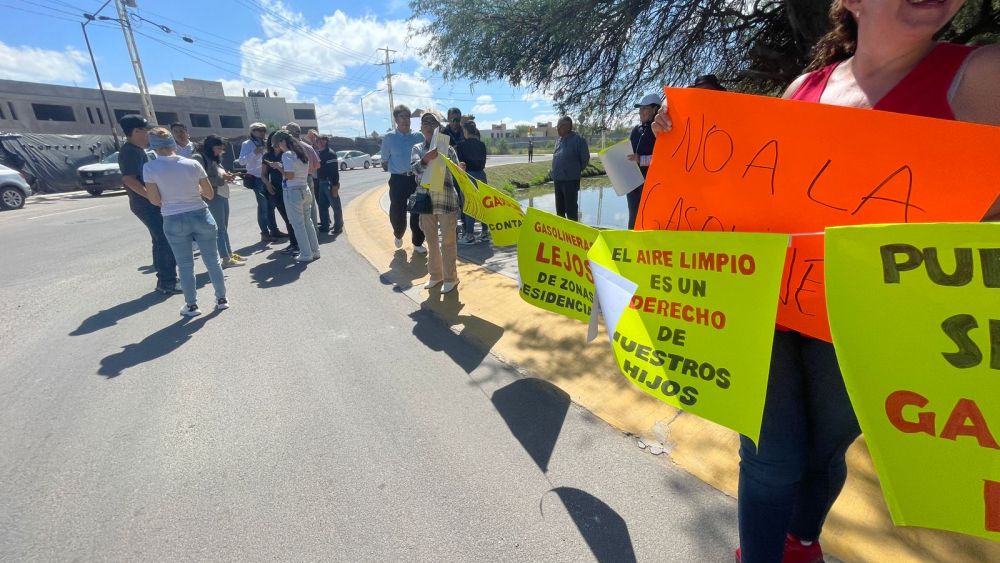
570 157
643 139
397 148
131 159
708 82
252 156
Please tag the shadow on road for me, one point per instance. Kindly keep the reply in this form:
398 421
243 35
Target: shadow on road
602 528
277 270
433 324
110 317
403 269
156 345
534 410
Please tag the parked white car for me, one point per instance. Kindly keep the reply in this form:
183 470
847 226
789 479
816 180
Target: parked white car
354 159
14 188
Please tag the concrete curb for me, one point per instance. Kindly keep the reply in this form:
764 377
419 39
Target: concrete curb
551 347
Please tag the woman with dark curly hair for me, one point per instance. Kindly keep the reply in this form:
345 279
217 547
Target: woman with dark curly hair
882 55
210 158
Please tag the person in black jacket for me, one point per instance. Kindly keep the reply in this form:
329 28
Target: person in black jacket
643 140
472 152
328 184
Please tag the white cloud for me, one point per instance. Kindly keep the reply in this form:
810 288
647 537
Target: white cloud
299 54
538 99
484 106
161 89
42 65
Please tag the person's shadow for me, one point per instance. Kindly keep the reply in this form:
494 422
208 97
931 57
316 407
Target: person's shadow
277 270
432 326
604 530
403 269
156 345
110 317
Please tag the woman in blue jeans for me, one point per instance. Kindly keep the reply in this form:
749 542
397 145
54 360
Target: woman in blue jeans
879 55
177 185
209 156
298 198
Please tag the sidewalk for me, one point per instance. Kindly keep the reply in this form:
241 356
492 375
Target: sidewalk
551 347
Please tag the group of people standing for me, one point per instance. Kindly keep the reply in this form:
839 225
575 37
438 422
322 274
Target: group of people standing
407 155
180 191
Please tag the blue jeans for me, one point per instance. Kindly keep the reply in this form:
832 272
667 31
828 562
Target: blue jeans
468 222
789 481
218 206
325 201
196 226
265 208
163 258
298 205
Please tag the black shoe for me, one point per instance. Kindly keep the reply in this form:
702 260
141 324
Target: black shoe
290 250
279 234
337 231
323 228
168 289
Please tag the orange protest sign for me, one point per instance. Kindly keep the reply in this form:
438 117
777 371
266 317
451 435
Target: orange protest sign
735 162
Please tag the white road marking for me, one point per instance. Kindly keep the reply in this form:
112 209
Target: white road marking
61 212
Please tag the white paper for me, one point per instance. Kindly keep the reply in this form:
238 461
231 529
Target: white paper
614 292
624 174
433 176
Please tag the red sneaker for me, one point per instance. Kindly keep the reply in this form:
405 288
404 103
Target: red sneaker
795 552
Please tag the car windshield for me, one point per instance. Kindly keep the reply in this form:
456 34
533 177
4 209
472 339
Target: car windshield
111 158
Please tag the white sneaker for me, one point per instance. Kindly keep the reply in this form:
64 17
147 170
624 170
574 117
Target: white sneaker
432 283
448 286
399 243
420 249
303 259
191 310
221 304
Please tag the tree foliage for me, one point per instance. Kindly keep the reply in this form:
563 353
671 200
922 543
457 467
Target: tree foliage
597 56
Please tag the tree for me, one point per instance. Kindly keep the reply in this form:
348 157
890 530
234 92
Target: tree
596 57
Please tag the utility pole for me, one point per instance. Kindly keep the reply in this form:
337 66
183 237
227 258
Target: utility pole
133 51
388 80
100 85
363 124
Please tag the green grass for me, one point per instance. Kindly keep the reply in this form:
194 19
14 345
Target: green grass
512 177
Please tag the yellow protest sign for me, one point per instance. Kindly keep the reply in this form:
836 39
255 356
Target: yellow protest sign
697 332
552 261
915 317
491 206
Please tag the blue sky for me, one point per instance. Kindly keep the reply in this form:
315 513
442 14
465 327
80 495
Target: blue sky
322 52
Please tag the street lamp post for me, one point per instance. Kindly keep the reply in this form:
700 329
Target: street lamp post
100 85
363 122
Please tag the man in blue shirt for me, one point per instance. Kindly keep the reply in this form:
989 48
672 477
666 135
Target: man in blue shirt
396 149
569 159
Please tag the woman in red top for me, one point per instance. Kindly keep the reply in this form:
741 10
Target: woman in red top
881 55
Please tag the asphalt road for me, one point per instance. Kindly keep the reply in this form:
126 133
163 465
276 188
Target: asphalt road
323 417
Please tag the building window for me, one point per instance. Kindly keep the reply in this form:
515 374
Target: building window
231 121
52 112
200 120
166 117
120 113
304 114
100 116
90 116
13 112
